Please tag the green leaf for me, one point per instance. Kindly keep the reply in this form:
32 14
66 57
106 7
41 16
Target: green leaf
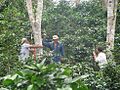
7 77
4 89
67 71
65 88
20 73
30 87
22 83
14 77
8 82
84 76
31 67
68 80
62 76
41 64
28 73
41 81
75 79
51 67
33 78
43 61
78 85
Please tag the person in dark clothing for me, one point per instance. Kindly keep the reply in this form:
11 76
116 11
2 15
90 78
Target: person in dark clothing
56 48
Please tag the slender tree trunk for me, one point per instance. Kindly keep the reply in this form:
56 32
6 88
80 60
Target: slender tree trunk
35 20
39 10
111 22
30 14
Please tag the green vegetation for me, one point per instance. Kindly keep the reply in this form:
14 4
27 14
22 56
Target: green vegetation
80 28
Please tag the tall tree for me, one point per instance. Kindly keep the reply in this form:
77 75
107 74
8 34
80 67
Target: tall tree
111 22
35 20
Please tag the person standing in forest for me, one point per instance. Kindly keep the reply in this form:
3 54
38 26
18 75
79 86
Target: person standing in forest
25 49
100 57
56 48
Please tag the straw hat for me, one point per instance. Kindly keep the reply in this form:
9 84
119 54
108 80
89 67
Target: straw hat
55 37
23 40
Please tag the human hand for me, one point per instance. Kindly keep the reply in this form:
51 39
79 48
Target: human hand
94 54
62 59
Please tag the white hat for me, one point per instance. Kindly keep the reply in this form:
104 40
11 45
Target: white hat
23 40
55 37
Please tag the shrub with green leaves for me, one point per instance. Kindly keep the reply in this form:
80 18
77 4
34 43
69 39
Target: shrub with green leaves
41 77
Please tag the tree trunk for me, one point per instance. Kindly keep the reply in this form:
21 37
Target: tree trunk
35 20
38 39
111 22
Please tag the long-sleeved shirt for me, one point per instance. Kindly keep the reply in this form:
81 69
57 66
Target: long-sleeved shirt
101 59
24 52
58 50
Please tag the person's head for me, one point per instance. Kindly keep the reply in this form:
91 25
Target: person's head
24 40
99 49
55 38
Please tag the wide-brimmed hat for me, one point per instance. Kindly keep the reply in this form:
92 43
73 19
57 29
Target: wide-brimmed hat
55 37
23 40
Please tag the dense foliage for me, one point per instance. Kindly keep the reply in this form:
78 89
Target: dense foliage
81 28
14 24
75 26
117 36
62 77
41 77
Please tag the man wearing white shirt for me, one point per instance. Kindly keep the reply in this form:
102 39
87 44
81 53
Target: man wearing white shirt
100 57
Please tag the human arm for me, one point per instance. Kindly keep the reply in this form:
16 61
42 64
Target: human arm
62 53
94 56
46 44
62 50
36 46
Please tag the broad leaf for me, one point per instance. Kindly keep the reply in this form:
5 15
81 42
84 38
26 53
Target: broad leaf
30 87
8 82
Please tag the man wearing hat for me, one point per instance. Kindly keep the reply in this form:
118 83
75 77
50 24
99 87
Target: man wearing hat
56 48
